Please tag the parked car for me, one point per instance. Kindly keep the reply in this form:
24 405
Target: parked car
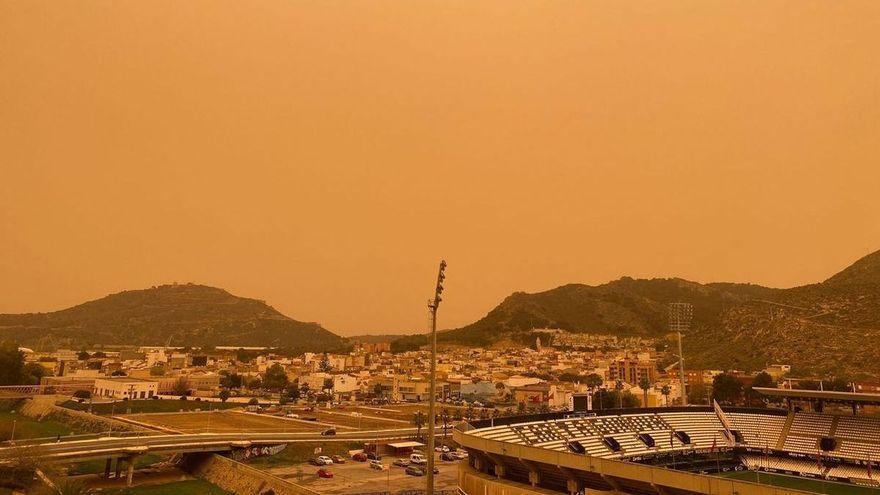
324 473
338 459
324 460
314 461
359 457
448 456
441 448
374 456
328 432
400 462
461 454
414 471
377 465
417 459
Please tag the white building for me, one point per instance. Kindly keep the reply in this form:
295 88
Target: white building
125 388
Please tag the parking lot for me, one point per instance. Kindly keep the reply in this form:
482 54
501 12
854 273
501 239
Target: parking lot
359 477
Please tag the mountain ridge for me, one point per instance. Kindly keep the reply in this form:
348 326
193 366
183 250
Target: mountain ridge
818 328
192 314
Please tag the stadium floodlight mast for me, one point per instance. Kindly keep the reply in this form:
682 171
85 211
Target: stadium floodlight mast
433 305
680 315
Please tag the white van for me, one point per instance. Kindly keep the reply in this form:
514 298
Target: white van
417 459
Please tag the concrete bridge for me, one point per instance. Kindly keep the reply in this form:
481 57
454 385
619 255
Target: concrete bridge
126 449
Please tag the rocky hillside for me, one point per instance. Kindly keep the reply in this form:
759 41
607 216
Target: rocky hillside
831 327
193 315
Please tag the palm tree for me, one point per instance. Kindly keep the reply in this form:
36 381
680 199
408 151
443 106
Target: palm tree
419 421
444 417
644 384
666 390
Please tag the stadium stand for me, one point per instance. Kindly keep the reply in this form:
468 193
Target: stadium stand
759 430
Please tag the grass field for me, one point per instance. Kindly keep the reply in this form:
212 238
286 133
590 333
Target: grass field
149 406
188 487
224 421
26 427
805 484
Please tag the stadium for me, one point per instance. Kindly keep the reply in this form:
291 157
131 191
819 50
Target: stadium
680 450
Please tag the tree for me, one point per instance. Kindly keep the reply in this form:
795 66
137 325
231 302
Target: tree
696 393
82 355
618 387
232 380
11 364
645 384
99 354
325 364
244 356
666 390
181 386
275 377
521 407
82 394
254 401
224 395
377 390
32 373
293 392
593 381
726 388
255 383
419 421
444 418
160 371
808 385
762 380
840 384
118 373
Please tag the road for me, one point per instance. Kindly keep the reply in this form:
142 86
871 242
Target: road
105 447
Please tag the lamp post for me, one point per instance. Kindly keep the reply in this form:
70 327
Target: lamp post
432 306
680 315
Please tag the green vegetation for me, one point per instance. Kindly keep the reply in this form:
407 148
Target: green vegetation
26 427
148 406
296 453
13 369
805 484
97 465
195 314
188 487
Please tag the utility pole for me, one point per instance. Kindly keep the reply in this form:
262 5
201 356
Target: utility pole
680 315
432 306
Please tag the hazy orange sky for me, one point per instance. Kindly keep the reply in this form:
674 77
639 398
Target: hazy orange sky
324 155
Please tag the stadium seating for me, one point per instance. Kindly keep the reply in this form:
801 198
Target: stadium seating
703 427
759 430
755 462
858 438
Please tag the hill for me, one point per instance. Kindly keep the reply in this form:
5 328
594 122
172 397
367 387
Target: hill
830 327
187 314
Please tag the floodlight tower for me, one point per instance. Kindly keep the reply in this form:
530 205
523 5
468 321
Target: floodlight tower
680 315
433 305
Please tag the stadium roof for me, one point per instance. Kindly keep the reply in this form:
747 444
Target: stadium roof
824 395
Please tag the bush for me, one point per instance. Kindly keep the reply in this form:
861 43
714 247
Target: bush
182 397
82 394
254 402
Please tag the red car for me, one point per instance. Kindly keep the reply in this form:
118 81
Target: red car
323 473
360 457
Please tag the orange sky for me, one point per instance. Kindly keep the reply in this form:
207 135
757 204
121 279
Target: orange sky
324 155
